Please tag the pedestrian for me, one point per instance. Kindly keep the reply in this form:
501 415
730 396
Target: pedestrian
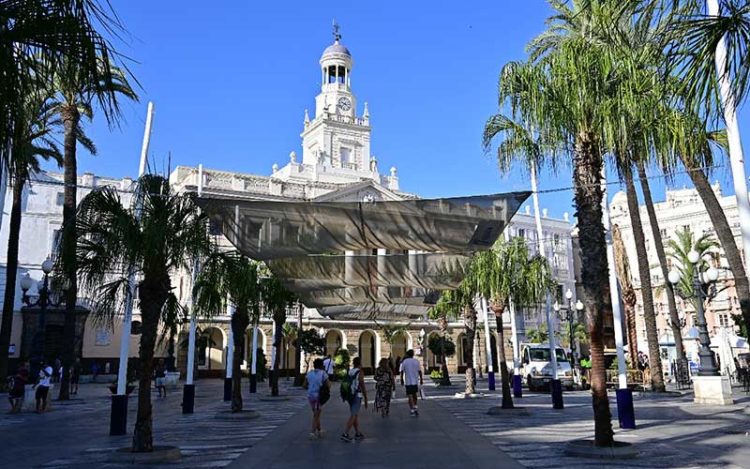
357 393
411 376
57 371
94 370
160 375
318 393
75 376
42 387
107 367
17 388
328 366
384 384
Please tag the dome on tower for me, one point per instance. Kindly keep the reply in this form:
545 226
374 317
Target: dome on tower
335 50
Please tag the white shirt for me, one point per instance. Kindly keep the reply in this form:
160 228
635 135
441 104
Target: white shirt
44 378
410 367
328 366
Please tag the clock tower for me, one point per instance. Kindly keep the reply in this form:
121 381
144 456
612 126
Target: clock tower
336 136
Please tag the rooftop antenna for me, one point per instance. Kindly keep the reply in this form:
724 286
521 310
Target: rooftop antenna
336 31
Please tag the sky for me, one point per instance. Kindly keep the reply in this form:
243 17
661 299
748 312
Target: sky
230 85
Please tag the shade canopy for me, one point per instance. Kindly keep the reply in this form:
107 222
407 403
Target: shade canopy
322 272
265 230
369 259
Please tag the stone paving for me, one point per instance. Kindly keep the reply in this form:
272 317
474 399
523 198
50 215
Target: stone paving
672 432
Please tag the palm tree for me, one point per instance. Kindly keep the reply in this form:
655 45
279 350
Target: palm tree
679 247
75 98
453 304
692 41
276 299
231 277
52 32
32 141
627 292
508 273
156 234
441 312
561 95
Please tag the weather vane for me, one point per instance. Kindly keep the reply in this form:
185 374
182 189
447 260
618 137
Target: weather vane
336 31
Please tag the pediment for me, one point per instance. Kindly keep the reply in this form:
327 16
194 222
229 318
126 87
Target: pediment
365 191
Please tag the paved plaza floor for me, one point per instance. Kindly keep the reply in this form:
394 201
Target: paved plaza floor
672 432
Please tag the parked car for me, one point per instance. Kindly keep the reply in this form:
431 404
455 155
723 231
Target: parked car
537 367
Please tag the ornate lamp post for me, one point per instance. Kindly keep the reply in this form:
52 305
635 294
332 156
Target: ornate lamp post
37 347
570 314
707 360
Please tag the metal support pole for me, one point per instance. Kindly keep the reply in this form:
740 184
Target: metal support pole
119 411
188 392
625 410
516 380
707 359
488 345
254 363
555 385
230 354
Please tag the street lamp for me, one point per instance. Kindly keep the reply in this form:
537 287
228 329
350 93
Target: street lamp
37 348
422 351
707 360
569 314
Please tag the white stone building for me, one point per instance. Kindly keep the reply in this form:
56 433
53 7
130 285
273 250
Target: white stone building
336 165
682 209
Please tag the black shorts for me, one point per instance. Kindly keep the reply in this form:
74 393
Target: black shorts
41 392
412 390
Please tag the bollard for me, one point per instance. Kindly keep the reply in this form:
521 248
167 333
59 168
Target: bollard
118 420
557 394
188 398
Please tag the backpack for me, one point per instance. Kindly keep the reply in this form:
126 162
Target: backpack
325 392
348 388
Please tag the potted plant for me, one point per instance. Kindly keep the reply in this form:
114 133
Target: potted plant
437 377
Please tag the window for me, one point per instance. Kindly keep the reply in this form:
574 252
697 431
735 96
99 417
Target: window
60 199
521 233
723 320
663 233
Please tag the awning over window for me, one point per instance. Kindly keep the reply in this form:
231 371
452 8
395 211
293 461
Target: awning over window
268 230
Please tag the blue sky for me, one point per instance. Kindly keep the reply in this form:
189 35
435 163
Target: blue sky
230 85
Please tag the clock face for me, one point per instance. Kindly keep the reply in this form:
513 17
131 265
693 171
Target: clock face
344 103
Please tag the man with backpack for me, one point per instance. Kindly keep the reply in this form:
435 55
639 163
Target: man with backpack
353 392
411 374
318 393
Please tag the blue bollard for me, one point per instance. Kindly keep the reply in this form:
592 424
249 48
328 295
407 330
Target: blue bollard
118 420
188 398
557 394
625 410
253 383
491 380
227 389
517 386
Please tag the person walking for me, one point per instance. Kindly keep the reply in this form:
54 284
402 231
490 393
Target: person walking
328 366
358 394
42 387
411 376
17 388
160 375
75 376
384 384
318 393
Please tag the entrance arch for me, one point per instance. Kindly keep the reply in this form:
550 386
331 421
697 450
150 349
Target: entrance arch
334 341
248 353
369 351
399 346
211 343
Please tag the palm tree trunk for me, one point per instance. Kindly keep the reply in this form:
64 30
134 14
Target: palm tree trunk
152 297
632 332
647 294
11 273
726 238
279 324
71 119
588 199
240 321
470 324
661 254
501 360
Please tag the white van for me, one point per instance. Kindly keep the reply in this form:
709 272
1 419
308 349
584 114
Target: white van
537 368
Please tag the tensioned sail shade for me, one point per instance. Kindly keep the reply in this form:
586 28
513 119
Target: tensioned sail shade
267 230
387 295
379 311
434 271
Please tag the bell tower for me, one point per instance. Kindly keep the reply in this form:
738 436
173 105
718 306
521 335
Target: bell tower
336 136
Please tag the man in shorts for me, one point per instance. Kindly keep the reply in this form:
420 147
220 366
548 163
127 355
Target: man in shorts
42 387
411 375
